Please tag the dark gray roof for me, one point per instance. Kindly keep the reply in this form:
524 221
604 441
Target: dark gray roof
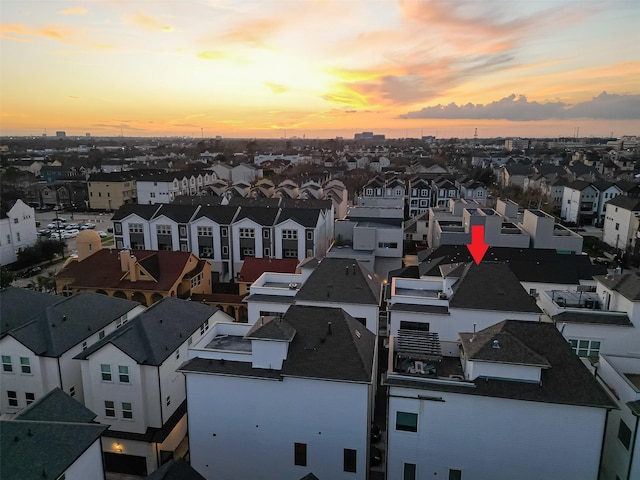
59 327
497 345
567 381
175 469
34 450
202 200
345 354
57 406
143 211
177 213
308 203
157 332
254 202
271 329
19 305
594 317
403 307
331 283
627 203
626 284
115 176
221 214
491 286
307 217
254 297
265 216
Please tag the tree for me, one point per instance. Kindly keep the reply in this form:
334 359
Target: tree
51 248
6 277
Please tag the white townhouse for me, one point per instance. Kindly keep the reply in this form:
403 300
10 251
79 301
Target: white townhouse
169 227
131 226
301 233
38 353
165 187
604 319
252 234
620 376
131 381
419 196
514 402
55 437
621 222
17 231
462 297
332 282
585 202
294 393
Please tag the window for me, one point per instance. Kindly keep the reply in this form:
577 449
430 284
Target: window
455 474
84 345
300 454
6 364
168 400
350 463
15 220
25 365
290 253
309 235
624 434
13 398
407 422
265 233
109 409
409 471
72 391
206 251
247 233
106 372
118 227
225 250
224 231
369 192
388 245
127 411
183 231
289 234
267 252
123 373
205 231
30 397
585 348
135 228
617 227
163 229
18 235
424 193
248 252
177 354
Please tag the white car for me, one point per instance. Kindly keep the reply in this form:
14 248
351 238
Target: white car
87 226
70 233
103 234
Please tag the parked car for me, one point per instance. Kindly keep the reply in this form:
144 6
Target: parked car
103 234
375 456
55 236
87 226
56 225
70 233
45 232
30 272
72 226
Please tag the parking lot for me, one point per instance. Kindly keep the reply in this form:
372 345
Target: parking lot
102 222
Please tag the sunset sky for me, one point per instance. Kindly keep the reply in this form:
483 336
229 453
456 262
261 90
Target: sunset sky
242 68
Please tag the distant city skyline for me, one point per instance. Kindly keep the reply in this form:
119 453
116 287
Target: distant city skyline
320 69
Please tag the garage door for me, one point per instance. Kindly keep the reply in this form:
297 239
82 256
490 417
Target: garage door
121 463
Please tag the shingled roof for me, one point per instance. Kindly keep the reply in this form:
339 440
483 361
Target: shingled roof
142 211
340 280
491 286
59 327
57 406
626 284
156 333
19 305
253 267
175 469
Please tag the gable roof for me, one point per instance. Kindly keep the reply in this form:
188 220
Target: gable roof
103 270
273 329
307 217
626 284
340 280
59 327
156 333
491 286
253 267
57 406
177 213
221 214
175 469
142 211
627 203
19 305
265 216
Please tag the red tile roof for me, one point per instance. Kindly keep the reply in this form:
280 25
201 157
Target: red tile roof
103 270
253 267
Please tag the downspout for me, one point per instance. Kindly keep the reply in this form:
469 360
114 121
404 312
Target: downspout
604 432
60 374
160 394
634 440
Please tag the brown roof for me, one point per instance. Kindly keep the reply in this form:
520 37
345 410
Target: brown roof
102 270
253 267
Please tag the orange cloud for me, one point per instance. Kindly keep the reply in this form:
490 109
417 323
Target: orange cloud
253 32
277 87
74 11
60 33
148 22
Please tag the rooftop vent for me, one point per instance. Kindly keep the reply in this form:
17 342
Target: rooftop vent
496 344
329 328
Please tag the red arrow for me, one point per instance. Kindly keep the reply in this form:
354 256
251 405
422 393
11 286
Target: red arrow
477 247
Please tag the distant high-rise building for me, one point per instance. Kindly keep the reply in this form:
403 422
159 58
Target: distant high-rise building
61 134
88 135
368 136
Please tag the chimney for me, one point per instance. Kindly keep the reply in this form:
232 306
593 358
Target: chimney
124 260
353 267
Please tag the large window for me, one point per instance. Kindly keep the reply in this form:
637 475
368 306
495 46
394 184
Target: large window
30 397
127 410
290 253
12 396
407 422
25 365
409 471
624 434
247 233
289 234
300 454
135 228
123 373
585 348
205 231
106 372
350 457
163 229
109 409
387 244
6 364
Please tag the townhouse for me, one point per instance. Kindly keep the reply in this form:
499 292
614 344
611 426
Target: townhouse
419 196
512 401
55 437
109 191
319 362
225 234
621 223
145 276
443 192
584 202
165 187
131 381
18 227
39 347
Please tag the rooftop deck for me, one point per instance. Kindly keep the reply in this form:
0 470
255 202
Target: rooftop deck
229 343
